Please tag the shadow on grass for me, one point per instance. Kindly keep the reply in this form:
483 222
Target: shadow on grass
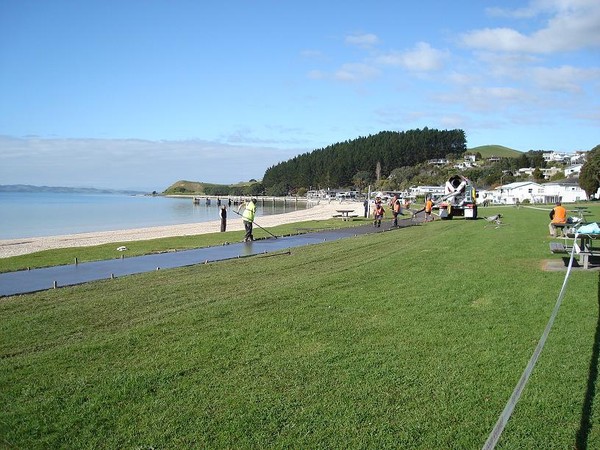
585 425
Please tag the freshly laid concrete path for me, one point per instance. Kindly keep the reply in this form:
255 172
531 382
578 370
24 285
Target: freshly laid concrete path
27 281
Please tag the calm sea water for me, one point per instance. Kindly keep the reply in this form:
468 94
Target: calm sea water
33 214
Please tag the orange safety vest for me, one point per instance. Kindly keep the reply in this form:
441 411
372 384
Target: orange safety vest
560 215
428 206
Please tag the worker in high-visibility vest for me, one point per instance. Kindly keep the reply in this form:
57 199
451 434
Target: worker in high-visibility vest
558 216
428 210
396 210
248 218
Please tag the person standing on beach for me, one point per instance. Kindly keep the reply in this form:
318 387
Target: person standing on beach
223 216
248 218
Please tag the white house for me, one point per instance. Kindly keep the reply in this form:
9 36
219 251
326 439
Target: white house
579 157
513 193
550 172
426 190
555 157
563 191
526 171
573 170
438 162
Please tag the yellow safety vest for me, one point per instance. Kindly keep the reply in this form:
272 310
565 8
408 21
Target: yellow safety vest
249 212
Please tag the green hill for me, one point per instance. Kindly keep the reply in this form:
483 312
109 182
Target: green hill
185 187
495 150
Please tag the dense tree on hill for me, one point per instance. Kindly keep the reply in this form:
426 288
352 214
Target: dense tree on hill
535 159
337 165
589 177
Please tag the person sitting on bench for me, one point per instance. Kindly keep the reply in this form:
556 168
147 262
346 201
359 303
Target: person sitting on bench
558 219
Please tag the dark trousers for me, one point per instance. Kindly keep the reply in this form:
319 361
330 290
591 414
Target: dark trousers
248 227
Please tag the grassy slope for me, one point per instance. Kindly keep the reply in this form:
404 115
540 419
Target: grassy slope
408 339
194 187
495 150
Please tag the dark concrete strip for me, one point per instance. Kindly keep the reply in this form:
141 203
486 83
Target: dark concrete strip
27 281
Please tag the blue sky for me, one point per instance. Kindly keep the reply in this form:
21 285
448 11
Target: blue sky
140 94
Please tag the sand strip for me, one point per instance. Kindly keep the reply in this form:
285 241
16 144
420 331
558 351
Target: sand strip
23 246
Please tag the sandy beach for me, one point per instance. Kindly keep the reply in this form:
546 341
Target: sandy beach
14 247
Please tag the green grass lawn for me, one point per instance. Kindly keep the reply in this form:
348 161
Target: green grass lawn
413 338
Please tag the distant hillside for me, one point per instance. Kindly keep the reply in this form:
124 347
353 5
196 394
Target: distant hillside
184 187
62 189
495 150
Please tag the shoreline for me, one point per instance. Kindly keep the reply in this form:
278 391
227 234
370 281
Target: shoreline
24 246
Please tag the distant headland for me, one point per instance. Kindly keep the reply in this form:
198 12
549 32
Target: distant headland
63 189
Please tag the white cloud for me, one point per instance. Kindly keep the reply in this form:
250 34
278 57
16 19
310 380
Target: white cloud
362 40
422 58
313 54
563 79
355 72
316 74
538 7
486 99
573 25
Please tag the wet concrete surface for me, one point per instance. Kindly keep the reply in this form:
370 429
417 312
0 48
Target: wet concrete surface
27 281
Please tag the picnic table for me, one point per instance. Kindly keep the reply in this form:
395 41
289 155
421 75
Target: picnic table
584 249
345 214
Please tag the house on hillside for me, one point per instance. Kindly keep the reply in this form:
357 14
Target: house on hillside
526 171
578 157
551 171
555 157
416 191
438 162
573 170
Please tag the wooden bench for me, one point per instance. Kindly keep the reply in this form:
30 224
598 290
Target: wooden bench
563 228
557 247
585 255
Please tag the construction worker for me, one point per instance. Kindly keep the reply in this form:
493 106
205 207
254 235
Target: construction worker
428 208
558 219
378 213
248 218
396 209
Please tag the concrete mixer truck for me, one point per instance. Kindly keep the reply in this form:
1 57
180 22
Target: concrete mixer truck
459 199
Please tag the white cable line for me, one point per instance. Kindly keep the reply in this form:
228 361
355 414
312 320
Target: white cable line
492 439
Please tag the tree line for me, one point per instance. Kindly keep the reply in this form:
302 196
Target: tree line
355 161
